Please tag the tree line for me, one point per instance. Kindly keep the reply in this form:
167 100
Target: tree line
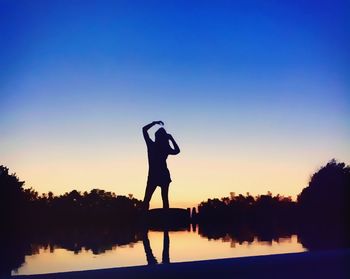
325 200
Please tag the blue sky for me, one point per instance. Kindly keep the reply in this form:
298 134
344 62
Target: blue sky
256 92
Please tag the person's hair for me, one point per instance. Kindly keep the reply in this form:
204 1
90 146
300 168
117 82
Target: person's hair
161 136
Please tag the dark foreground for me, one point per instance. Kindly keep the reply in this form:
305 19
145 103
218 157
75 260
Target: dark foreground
323 264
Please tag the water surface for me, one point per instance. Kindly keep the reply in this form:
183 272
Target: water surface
152 247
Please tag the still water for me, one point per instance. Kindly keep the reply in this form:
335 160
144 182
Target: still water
150 247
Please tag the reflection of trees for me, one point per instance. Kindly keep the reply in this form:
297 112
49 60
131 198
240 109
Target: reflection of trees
244 233
98 240
320 237
14 247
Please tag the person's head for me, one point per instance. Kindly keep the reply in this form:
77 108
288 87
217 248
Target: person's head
161 136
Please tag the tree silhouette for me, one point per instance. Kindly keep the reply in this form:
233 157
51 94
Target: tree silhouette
326 198
238 209
12 197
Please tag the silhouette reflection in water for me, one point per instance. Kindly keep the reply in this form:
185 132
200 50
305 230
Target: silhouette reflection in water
151 259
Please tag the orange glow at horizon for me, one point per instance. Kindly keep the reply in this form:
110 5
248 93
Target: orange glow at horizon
196 176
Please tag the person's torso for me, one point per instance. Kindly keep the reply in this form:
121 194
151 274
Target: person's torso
157 157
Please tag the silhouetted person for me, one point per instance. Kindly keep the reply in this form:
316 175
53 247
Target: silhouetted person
158 173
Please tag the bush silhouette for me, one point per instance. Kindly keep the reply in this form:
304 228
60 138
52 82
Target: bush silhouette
12 196
326 198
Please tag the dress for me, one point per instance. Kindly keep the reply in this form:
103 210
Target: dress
158 172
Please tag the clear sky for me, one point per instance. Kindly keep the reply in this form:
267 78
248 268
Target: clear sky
256 93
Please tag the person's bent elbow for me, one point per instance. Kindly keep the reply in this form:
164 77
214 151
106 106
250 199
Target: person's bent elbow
175 151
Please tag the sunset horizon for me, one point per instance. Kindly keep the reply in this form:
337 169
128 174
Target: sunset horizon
157 202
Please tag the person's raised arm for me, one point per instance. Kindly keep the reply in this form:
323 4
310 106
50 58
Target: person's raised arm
176 149
147 127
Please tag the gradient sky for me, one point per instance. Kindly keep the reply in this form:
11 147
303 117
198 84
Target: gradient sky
255 92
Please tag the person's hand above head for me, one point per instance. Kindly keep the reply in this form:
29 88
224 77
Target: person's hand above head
159 122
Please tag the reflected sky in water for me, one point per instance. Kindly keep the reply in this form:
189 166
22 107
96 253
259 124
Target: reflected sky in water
153 248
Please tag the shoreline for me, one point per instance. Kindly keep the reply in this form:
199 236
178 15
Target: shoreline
318 264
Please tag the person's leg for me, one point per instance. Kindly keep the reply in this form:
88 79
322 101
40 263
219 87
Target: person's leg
165 198
148 194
